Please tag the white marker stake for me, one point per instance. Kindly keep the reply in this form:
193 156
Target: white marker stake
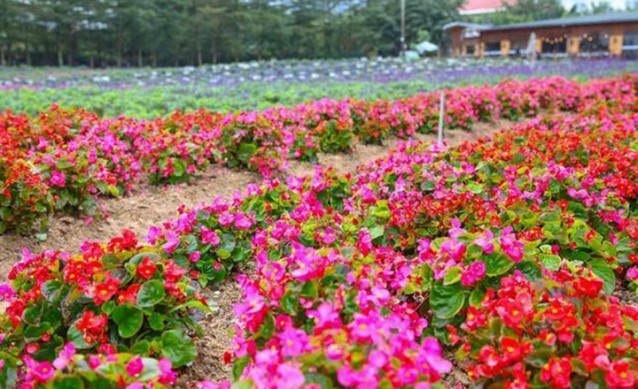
441 113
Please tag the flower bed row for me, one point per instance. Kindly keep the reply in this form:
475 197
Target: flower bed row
506 250
63 160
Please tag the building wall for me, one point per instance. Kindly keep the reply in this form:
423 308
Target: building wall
573 39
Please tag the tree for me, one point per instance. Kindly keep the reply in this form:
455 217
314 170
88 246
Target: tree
195 32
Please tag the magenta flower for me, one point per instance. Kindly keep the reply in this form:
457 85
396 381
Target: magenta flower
242 222
134 366
473 274
209 236
57 179
7 293
485 242
289 376
632 273
512 247
43 372
167 375
65 357
172 241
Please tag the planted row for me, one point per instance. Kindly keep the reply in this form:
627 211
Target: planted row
64 160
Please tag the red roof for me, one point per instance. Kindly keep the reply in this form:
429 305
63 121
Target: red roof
479 6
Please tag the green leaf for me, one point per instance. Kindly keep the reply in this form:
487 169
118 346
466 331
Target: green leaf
77 338
452 276
497 264
129 320
476 298
447 301
319 379
151 293
376 231
550 261
289 304
66 383
474 187
178 347
310 290
602 269
246 151
50 289
156 321
238 367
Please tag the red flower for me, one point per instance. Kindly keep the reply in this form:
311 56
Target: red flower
93 327
589 287
558 372
129 295
146 269
105 290
619 375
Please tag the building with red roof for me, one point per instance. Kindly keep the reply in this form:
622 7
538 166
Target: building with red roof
477 7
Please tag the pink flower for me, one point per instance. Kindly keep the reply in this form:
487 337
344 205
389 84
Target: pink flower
154 233
485 242
242 222
226 218
289 376
134 366
167 375
632 273
209 236
172 241
512 247
474 273
294 342
194 256
43 372
65 357
7 293
431 353
57 179
325 317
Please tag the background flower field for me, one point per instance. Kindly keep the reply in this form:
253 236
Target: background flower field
506 257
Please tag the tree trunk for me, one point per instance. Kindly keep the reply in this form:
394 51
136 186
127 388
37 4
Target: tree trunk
3 56
199 54
119 49
91 61
154 59
60 56
140 58
28 48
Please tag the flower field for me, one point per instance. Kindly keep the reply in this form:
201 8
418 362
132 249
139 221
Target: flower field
149 93
509 259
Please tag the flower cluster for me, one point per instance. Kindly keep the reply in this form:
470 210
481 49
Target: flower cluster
559 332
79 312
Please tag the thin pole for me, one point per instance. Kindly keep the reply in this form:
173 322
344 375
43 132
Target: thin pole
441 114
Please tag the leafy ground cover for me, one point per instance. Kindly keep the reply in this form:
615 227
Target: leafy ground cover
506 251
150 93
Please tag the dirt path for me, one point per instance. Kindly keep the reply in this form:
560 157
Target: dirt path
151 205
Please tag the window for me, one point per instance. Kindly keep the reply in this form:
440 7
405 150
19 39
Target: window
493 46
554 45
630 38
594 42
630 45
470 49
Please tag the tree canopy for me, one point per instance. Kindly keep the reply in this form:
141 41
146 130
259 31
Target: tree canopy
194 32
